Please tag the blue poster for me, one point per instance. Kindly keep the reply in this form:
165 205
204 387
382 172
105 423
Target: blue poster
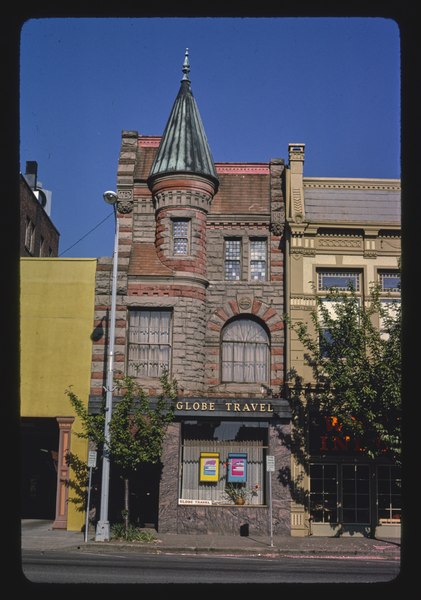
237 467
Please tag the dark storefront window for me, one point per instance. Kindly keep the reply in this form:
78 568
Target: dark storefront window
356 493
323 493
223 439
389 494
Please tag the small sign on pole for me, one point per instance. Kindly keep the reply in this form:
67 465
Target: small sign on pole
92 455
270 463
270 468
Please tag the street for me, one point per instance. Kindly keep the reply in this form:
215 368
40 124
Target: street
75 568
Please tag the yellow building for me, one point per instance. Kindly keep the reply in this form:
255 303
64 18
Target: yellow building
56 321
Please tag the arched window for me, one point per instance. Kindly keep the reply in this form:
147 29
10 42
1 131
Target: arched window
245 352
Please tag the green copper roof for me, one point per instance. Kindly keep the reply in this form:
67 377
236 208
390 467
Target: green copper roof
184 147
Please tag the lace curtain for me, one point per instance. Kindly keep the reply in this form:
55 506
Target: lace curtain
245 352
149 342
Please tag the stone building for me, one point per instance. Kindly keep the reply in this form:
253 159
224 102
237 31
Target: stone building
339 232
201 294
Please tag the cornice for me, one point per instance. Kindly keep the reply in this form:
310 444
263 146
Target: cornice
352 184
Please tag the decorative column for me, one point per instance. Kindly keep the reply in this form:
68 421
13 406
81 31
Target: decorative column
65 426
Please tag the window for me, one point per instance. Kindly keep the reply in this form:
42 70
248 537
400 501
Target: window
390 281
340 280
149 342
29 236
258 260
355 494
233 260
323 493
389 494
222 438
245 352
180 233
41 246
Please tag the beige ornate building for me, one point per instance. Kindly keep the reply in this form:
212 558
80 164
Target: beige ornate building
340 231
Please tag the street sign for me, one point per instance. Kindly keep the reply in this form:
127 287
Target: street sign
270 463
92 458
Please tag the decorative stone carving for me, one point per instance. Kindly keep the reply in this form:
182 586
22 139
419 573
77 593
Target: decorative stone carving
277 227
244 302
125 207
125 201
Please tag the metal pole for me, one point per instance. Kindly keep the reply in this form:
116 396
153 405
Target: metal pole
270 509
88 503
103 525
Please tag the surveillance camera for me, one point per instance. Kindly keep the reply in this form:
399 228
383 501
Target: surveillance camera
110 197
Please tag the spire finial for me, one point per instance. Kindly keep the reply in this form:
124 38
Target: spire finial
186 66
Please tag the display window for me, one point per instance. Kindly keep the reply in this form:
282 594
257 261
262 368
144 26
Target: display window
223 459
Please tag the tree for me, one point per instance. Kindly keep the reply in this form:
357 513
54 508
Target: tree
356 368
137 427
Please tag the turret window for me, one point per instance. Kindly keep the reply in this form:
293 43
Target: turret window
180 234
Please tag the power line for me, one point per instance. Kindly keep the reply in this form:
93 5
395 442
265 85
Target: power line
86 234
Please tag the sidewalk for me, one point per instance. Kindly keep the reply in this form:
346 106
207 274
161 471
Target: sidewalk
39 535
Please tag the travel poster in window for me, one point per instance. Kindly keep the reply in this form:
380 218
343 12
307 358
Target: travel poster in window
209 466
237 467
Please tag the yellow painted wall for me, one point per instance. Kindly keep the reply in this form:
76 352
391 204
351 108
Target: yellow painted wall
56 321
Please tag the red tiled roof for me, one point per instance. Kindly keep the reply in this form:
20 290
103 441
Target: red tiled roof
242 194
243 187
145 261
144 158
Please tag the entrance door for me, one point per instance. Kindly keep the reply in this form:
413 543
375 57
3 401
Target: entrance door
39 451
145 497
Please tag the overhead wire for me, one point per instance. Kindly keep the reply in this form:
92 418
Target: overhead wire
86 234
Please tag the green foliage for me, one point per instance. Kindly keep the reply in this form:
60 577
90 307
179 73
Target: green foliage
356 369
93 425
137 430
137 427
79 482
130 534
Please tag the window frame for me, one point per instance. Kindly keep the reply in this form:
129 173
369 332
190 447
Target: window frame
385 274
263 240
391 509
30 235
213 492
174 222
236 365
149 347
231 260
337 273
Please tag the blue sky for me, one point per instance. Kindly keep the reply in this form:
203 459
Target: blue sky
260 83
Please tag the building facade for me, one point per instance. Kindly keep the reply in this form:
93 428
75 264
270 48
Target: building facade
211 257
340 231
38 235
200 294
56 315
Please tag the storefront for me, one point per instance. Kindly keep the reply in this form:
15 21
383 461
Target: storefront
216 450
350 493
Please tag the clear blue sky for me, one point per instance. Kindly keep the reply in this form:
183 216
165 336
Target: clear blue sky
331 83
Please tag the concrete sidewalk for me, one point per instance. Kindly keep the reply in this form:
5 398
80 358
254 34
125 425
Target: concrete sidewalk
39 535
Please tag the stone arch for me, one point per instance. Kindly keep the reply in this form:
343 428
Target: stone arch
248 307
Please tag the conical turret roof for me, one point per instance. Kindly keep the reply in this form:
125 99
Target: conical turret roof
184 147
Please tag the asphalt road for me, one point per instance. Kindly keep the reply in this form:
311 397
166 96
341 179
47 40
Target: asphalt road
73 567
